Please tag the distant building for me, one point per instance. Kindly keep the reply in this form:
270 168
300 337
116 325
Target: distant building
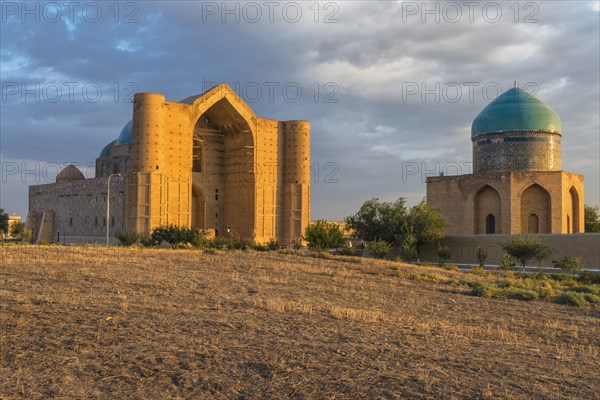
517 185
205 162
12 219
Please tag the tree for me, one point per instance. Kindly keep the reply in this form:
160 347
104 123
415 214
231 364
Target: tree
379 248
3 222
16 229
481 256
378 220
323 235
591 218
569 264
524 248
426 224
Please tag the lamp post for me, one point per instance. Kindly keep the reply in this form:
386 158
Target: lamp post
108 206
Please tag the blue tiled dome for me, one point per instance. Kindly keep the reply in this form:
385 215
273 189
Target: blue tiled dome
516 110
125 135
106 150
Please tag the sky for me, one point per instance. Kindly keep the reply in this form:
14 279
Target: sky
390 88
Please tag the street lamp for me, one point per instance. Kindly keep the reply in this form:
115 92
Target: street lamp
108 206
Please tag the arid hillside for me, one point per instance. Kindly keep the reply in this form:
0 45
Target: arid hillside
119 323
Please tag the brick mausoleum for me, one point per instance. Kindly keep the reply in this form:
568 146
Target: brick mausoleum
517 185
205 162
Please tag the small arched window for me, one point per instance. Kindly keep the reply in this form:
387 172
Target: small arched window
534 224
490 224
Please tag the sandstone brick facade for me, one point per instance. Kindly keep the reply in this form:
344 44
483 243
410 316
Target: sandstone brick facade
206 162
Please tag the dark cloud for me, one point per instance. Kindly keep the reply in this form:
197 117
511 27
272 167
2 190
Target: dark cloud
367 142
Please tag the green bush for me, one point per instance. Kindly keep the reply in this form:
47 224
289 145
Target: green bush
323 235
517 294
482 289
147 241
478 270
481 256
589 278
127 238
592 298
175 235
443 255
271 245
507 262
569 264
571 299
585 289
378 248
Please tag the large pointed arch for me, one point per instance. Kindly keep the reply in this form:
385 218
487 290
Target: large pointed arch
224 130
488 208
536 206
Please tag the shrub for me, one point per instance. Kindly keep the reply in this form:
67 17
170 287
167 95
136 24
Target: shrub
44 243
147 241
127 238
507 262
524 248
592 298
272 245
175 235
478 270
443 255
323 235
584 289
482 289
481 256
378 248
451 267
517 294
569 264
199 239
589 278
571 299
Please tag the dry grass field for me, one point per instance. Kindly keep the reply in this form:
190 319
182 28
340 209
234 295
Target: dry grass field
120 323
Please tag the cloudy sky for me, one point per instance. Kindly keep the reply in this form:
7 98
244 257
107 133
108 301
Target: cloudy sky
390 87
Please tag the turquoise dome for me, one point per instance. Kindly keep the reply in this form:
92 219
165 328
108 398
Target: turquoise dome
516 110
106 150
125 135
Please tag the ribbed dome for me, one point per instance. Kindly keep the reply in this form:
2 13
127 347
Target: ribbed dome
69 173
516 110
125 135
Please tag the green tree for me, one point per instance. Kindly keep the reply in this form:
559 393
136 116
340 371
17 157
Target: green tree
426 224
591 218
524 248
379 248
481 256
3 222
16 229
377 220
569 264
323 235
443 255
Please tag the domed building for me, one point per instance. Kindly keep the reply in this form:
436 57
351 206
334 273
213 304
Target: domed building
206 162
517 185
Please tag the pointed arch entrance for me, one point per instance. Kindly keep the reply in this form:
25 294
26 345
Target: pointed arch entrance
535 210
223 162
487 211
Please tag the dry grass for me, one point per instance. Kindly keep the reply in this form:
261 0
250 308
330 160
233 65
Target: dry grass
91 323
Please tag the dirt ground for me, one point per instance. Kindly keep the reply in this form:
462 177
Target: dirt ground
119 323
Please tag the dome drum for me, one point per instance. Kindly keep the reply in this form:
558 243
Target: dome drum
517 151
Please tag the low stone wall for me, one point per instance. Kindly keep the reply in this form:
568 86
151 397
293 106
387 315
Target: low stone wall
464 248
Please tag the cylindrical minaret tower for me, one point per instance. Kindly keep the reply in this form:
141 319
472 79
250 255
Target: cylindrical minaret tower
516 132
296 198
148 133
